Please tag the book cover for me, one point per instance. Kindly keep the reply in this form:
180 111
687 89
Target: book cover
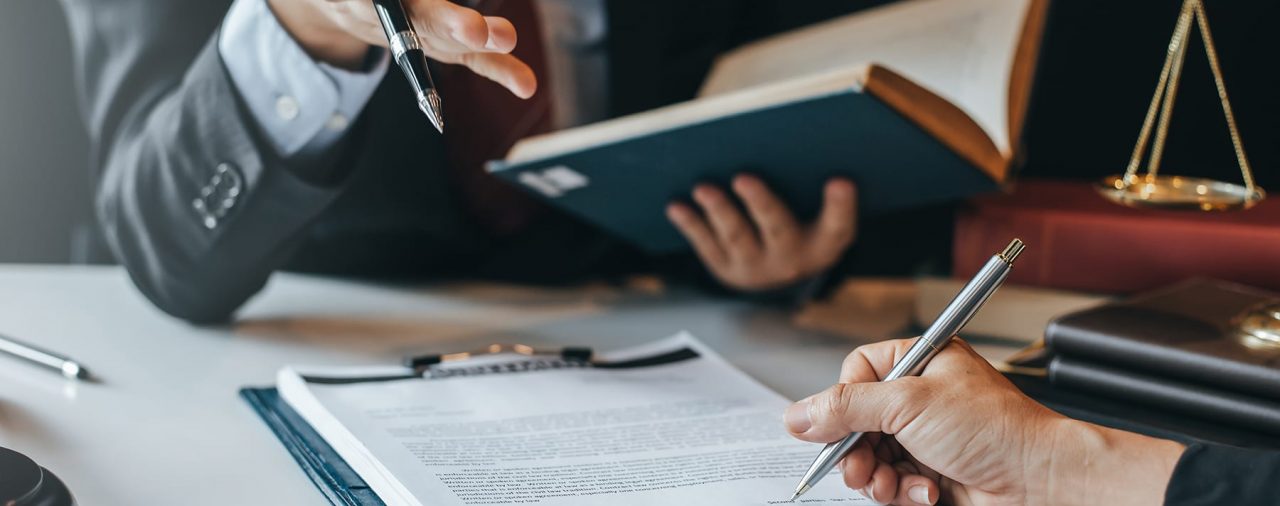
1077 240
625 187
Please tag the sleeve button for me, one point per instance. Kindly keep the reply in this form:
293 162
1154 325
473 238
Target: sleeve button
337 122
287 107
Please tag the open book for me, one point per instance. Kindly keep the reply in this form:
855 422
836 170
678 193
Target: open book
664 423
918 102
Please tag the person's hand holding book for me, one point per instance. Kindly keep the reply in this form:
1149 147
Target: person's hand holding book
767 248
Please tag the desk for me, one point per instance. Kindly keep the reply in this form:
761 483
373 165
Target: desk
166 426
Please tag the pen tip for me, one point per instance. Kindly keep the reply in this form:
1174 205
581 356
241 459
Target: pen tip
799 492
429 102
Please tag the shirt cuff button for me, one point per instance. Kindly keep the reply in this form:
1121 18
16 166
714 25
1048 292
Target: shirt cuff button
287 107
337 122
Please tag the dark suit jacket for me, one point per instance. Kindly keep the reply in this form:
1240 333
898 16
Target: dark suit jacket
169 129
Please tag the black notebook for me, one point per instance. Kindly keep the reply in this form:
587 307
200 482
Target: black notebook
1177 348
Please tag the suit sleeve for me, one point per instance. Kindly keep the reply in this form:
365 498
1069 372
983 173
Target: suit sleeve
192 201
1215 474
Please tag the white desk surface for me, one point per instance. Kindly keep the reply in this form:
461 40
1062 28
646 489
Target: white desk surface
166 426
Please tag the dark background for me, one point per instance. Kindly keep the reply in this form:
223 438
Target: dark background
1099 66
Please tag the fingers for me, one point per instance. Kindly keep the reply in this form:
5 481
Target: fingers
778 228
454 34
857 466
856 407
699 234
502 35
734 232
446 26
765 247
503 69
884 483
916 490
836 225
872 362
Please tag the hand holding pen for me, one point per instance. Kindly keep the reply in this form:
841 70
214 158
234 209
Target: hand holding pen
960 432
953 318
339 32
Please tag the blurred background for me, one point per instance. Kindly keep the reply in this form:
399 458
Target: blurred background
1098 67
44 152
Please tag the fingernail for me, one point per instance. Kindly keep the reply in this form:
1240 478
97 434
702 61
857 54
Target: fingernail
490 45
919 494
701 193
797 417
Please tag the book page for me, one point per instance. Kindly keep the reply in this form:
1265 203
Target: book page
686 113
693 431
961 50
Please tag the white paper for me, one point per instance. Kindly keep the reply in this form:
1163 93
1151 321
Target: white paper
696 431
962 50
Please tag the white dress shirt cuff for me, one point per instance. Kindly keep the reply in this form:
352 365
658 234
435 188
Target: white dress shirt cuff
302 105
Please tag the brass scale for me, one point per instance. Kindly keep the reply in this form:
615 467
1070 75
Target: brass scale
1257 328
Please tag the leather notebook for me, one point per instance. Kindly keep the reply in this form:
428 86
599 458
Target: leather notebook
1175 349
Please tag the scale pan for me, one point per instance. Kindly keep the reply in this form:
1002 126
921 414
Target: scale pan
1178 192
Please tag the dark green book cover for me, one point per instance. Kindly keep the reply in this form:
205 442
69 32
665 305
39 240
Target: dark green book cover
624 187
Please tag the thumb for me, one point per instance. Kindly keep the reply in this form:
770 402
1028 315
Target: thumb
856 407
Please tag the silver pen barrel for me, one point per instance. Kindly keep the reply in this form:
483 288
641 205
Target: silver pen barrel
953 318
42 357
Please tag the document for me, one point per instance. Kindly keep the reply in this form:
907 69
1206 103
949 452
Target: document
685 429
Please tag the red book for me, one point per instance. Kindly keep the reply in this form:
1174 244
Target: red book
1078 240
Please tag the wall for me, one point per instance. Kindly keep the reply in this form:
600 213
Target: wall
44 175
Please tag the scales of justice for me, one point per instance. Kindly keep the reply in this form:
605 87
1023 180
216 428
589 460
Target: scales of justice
1154 190
1259 327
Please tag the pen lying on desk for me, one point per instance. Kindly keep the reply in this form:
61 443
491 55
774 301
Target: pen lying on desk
953 318
44 358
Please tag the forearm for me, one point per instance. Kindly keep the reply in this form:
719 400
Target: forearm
200 264
1090 464
203 186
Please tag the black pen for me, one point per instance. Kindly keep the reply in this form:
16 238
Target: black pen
407 51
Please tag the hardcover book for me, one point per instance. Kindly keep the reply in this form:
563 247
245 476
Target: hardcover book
917 102
1080 241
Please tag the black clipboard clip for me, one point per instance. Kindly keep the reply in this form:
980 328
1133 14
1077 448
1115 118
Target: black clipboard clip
527 357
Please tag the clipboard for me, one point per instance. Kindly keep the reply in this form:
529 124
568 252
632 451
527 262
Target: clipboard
339 483
329 472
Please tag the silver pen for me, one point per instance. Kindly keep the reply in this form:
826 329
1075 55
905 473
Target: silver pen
407 52
42 357
953 318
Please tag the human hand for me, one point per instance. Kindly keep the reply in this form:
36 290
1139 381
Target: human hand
340 32
964 434
771 249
